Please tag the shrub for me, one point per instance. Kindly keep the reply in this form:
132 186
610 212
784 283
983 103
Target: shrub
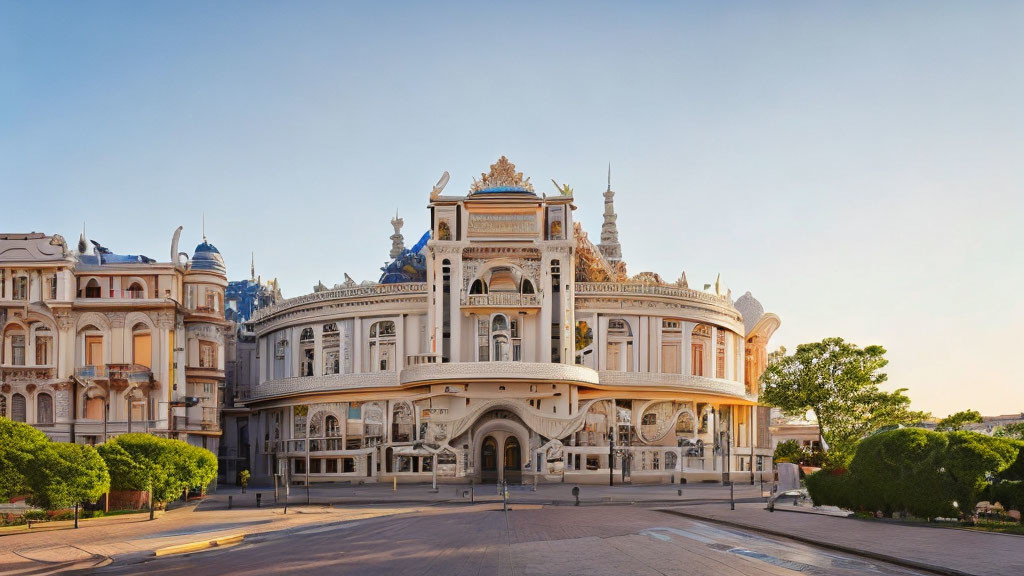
830 488
19 445
170 466
900 471
970 459
1009 493
63 475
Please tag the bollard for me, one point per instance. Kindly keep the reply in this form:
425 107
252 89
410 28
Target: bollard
576 494
732 496
680 491
259 498
472 492
229 501
76 515
394 487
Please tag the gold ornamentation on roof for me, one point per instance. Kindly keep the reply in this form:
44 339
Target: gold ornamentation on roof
502 175
591 266
648 278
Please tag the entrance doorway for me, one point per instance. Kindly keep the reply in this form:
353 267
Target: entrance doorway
513 460
489 460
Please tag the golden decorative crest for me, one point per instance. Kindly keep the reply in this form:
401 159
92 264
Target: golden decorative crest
502 178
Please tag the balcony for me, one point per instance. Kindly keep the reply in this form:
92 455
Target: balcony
19 372
501 300
675 382
460 372
133 373
420 359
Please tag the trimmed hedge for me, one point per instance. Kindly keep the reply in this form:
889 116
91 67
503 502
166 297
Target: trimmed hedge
1009 493
920 472
136 460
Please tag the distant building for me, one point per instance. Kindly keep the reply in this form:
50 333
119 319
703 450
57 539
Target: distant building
96 344
242 298
801 430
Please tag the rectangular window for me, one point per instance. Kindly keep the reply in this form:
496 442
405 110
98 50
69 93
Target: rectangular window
20 291
53 287
300 465
3 283
697 359
720 355
18 350
355 411
332 465
483 344
94 350
142 350
43 346
207 354
314 465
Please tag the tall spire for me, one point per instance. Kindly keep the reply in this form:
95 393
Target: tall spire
397 240
609 245
204 227
252 266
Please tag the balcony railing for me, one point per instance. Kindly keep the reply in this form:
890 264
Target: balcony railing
512 299
135 373
418 359
128 294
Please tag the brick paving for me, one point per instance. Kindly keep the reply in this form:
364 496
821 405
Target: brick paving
946 549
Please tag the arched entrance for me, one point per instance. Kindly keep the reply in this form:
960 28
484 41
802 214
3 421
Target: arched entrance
512 463
489 460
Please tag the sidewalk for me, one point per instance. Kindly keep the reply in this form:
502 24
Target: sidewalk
134 537
942 550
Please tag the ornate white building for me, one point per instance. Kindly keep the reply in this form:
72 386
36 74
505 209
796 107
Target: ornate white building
96 344
506 346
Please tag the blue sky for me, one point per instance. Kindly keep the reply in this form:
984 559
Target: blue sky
856 166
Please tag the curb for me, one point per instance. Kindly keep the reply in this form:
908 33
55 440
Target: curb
199 545
819 544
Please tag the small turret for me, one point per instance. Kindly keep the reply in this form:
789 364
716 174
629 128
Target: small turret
397 240
609 245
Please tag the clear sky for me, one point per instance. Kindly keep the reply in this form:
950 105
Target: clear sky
859 167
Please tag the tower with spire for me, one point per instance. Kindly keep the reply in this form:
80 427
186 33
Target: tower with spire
609 245
397 240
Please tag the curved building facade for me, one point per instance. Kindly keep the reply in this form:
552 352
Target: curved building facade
506 346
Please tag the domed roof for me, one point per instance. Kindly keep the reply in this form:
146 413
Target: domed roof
751 309
207 257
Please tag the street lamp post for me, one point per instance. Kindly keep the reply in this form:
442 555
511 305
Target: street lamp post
611 458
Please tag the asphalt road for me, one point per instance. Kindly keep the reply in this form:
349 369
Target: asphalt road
591 541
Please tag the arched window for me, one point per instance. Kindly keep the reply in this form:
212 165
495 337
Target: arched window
700 350
44 346
136 291
332 428
92 289
501 339
478 287
382 346
620 346
513 455
142 345
527 286
18 407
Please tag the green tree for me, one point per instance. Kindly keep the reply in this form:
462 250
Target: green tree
957 421
788 451
838 381
64 474
19 446
138 461
1014 431
971 460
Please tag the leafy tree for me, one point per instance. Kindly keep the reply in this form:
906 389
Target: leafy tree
788 451
139 461
65 474
1015 431
838 381
19 446
958 421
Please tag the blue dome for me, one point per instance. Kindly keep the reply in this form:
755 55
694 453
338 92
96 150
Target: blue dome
207 257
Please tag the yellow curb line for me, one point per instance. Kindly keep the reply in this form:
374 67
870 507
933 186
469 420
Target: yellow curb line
200 545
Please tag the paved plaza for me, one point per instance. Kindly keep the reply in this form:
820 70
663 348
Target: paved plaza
415 530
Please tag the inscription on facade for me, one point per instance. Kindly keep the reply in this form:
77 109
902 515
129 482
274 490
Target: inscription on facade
502 224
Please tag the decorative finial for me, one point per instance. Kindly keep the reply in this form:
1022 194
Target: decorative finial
609 175
204 227
397 240
609 245
502 178
439 187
